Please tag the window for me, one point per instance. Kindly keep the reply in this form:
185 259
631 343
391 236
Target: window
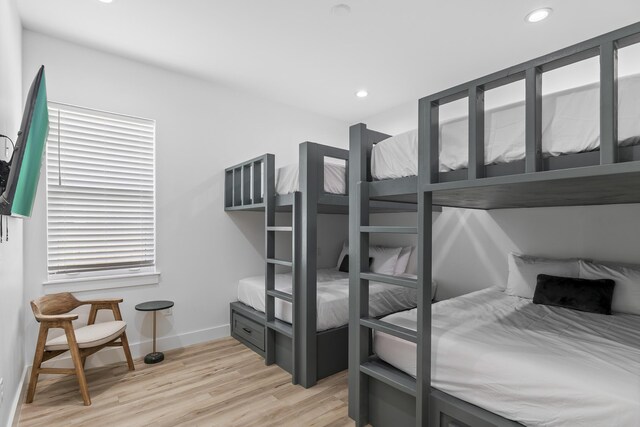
100 194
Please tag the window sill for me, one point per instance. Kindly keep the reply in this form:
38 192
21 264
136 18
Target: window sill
83 284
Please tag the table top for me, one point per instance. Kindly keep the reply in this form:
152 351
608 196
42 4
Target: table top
154 305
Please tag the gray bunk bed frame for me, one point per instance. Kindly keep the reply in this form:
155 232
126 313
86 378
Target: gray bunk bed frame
307 354
385 396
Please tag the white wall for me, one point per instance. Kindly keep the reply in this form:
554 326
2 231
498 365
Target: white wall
471 246
12 305
201 129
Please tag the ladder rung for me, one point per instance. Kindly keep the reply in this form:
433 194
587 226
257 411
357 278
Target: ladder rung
391 280
391 329
279 228
280 295
388 229
397 379
281 327
279 262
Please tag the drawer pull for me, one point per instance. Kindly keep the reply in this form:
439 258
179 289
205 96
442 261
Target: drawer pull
247 330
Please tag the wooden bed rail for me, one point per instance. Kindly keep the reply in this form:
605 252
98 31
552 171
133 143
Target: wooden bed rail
361 142
312 160
605 46
246 182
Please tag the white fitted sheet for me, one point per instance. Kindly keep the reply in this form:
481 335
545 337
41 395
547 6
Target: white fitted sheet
333 297
535 364
570 124
335 178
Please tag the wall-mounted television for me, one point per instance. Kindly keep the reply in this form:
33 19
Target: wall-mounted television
19 180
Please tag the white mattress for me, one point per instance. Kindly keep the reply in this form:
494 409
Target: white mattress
570 124
333 297
335 178
535 364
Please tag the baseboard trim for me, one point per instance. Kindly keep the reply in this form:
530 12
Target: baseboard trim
14 414
112 355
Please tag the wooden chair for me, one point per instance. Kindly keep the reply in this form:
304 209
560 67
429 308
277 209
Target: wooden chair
52 311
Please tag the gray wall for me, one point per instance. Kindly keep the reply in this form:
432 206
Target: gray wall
202 127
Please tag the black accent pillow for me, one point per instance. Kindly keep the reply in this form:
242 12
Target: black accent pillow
344 265
592 296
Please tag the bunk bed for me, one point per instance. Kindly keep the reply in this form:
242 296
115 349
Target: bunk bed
402 389
280 316
402 188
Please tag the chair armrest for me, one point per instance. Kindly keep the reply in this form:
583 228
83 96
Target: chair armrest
104 304
55 317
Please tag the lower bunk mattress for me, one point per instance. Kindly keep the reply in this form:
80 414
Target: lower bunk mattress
534 364
332 297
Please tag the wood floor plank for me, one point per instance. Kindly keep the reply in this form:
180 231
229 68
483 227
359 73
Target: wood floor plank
216 384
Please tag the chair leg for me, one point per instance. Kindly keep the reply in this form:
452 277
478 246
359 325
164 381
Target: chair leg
37 362
123 338
77 362
127 351
92 315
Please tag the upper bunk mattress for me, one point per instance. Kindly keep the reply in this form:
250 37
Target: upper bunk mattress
335 178
570 124
332 297
535 364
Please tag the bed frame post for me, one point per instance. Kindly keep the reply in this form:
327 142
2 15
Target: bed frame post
360 146
296 289
428 142
428 172
533 121
476 133
608 102
359 153
359 288
306 341
423 372
268 180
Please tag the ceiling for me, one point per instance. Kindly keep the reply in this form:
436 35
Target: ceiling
297 52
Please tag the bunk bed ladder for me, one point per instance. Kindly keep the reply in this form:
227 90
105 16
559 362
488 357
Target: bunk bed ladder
275 326
312 186
367 366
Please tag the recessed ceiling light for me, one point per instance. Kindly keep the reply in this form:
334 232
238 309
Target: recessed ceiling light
105 1
362 93
538 15
341 9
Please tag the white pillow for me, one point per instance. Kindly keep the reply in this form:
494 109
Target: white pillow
524 270
626 293
403 260
384 259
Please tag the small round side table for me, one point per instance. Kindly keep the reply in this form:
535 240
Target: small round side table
155 306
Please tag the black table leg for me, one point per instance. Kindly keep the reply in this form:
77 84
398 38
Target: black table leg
156 356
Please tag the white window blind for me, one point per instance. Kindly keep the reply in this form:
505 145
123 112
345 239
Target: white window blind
100 192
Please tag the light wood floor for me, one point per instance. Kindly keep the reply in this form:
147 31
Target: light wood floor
220 383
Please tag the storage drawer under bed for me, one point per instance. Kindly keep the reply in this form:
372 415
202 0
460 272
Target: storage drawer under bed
248 330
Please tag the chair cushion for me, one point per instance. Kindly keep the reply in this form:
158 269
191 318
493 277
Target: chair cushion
89 336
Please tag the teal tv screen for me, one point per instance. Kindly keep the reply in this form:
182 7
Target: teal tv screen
21 184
